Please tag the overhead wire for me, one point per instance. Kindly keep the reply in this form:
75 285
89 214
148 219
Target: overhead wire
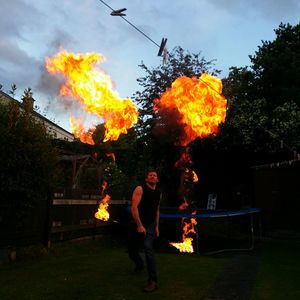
131 24
144 34
152 41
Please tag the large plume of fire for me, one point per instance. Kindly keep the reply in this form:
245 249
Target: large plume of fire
198 103
93 89
198 108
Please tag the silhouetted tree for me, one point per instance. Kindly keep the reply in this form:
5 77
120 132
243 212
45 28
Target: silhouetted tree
276 67
263 112
26 166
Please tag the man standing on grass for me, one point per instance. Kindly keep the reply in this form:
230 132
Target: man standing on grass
145 214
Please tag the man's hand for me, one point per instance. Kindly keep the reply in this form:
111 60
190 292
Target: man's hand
141 229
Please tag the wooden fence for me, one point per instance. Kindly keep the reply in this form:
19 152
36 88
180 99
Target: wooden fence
72 214
66 214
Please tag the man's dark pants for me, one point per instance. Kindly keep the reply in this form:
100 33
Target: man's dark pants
134 241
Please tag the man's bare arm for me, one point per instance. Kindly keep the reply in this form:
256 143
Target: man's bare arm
157 218
157 222
136 199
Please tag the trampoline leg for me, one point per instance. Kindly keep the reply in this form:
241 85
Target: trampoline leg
197 239
252 231
260 227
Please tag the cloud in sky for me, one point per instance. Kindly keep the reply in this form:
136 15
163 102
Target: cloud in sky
225 30
271 9
12 54
14 18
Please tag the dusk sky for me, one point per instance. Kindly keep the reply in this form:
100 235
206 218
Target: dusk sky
225 30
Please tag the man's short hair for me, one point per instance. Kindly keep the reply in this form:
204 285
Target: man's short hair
150 170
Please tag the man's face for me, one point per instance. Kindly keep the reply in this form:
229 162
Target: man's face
152 178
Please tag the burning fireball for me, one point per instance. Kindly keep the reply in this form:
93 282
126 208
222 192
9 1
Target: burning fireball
199 104
93 89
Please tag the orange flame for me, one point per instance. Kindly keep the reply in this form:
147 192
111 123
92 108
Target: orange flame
199 102
186 244
93 89
80 132
183 205
102 213
184 160
111 155
190 175
195 177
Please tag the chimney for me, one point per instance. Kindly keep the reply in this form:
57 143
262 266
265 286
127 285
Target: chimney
27 100
28 104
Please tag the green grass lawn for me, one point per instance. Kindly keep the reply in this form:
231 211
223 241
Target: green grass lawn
101 270
279 275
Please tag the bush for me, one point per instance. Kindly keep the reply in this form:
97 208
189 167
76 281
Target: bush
26 166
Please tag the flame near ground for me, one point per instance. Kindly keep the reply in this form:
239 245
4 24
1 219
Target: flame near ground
102 213
186 244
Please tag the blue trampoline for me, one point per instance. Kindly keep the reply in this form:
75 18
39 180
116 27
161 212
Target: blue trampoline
212 214
206 214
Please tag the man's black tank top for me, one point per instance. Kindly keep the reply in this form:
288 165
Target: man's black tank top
148 205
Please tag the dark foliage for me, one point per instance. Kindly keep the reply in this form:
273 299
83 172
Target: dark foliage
276 66
27 164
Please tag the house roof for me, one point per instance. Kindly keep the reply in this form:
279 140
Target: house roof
8 97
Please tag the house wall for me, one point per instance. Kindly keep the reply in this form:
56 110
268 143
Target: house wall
53 129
